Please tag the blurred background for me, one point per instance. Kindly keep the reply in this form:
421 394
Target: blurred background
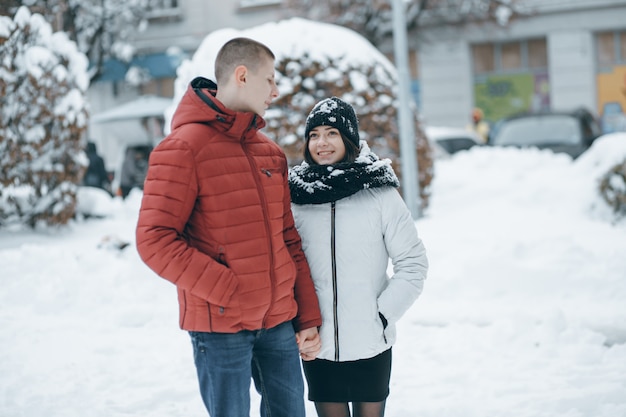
536 55
473 64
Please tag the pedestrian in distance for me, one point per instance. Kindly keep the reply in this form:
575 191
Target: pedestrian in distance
479 125
216 220
352 220
134 169
96 174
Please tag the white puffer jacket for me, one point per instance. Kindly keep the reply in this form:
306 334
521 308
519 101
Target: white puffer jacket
369 228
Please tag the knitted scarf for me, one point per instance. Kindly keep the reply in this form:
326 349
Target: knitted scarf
318 184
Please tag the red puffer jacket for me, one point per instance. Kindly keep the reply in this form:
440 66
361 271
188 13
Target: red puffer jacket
216 221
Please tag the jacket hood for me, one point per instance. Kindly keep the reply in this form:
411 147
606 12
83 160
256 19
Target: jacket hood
199 105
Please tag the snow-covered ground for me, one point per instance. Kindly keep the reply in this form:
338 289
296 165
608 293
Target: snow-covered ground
523 313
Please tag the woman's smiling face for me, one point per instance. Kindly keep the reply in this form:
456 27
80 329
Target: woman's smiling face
326 145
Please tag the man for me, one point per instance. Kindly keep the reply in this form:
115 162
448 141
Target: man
216 221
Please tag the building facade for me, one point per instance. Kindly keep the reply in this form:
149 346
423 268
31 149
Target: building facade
564 54
175 30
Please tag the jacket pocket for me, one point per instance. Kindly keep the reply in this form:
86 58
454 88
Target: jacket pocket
272 176
385 323
272 172
226 318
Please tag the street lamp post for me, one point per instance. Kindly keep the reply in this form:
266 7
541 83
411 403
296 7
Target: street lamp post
410 184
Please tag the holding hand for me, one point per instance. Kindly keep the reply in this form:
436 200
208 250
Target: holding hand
309 343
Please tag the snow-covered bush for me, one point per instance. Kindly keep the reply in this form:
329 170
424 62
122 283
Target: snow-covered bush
604 164
314 61
43 114
369 88
613 188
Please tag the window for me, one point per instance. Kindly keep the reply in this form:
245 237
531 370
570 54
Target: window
511 77
537 53
163 4
511 56
611 48
162 87
606 49
483 58
164 10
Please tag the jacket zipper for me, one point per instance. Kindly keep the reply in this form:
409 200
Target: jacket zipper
268 233
334 272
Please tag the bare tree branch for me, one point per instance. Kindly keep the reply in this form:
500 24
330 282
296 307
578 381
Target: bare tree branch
373 19
102 29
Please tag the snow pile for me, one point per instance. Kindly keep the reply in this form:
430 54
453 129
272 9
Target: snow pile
522 313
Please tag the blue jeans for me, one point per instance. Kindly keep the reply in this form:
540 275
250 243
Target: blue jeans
226 362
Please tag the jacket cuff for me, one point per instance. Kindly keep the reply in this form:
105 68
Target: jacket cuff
303 325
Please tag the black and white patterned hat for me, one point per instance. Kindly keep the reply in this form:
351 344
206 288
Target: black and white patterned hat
336 113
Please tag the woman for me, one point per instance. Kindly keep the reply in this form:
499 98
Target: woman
352 220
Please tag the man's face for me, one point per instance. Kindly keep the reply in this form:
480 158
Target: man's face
261 88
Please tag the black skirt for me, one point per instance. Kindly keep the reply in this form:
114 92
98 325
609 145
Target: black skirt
365 380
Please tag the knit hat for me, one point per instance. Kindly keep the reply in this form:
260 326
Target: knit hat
336 113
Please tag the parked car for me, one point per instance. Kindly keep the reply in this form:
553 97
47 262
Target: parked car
450 140
569 132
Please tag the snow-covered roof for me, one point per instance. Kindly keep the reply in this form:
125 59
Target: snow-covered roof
144 106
